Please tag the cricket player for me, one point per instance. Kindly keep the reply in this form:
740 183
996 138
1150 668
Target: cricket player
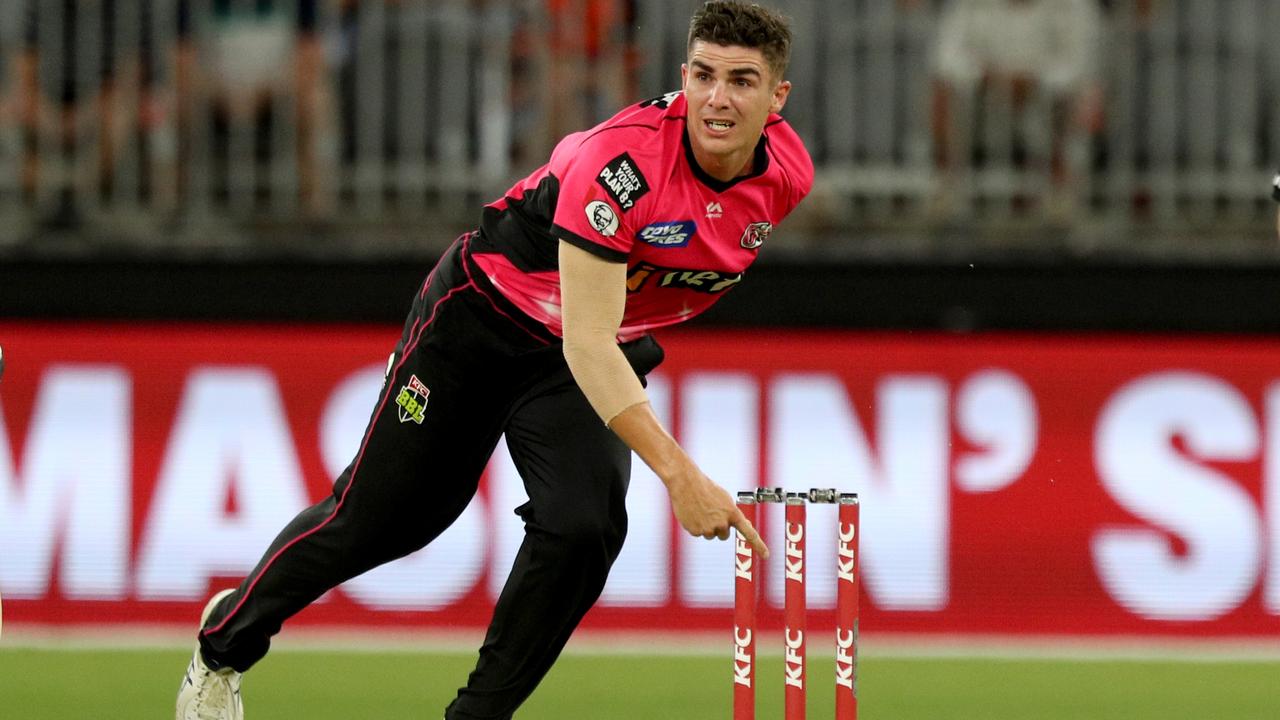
537 325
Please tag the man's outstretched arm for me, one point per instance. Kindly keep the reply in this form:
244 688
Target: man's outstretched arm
593 297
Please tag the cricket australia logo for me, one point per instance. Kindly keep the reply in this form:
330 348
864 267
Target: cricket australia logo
412 400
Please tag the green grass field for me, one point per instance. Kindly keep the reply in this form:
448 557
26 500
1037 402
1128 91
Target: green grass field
134 684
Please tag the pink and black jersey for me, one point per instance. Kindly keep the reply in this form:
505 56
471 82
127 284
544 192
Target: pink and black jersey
629 190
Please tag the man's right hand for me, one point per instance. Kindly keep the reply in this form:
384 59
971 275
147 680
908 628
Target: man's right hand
706 510
703 508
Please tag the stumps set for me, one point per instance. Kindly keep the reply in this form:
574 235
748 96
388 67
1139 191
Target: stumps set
747 593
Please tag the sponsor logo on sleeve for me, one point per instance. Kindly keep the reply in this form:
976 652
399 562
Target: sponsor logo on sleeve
412 401
755 234
623 181
602 217
668 234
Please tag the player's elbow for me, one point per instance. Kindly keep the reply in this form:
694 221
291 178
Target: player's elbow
580 346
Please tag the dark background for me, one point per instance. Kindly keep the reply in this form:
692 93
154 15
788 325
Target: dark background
956 296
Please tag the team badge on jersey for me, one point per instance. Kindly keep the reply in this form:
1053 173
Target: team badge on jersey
755 234
623 181
602 217
412 400
668 234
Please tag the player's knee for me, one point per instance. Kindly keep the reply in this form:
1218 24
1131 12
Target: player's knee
593 536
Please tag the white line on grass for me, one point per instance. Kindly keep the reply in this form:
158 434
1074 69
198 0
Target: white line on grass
692 644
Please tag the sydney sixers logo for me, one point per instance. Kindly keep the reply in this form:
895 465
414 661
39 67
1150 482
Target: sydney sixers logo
755 234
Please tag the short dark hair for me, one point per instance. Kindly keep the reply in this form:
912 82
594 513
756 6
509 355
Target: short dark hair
733 22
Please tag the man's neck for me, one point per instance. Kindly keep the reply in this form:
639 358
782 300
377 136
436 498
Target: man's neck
725 168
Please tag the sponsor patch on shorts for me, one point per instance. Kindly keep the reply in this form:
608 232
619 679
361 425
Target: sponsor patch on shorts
672 234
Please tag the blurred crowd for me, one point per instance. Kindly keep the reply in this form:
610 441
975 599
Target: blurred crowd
1032 65
155 101
85 79
255 79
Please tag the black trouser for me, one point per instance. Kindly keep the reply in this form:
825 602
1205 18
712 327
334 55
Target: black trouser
489 370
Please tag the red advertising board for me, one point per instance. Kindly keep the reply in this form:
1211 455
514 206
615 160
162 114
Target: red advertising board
1010 484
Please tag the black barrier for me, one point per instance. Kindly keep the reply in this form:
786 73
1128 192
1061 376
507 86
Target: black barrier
1079 296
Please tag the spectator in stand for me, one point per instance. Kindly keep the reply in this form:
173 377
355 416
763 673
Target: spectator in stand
1025 53
58 98
589 69
77 95
251 54
10 133
588 58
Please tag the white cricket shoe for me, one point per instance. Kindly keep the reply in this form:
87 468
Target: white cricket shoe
208 694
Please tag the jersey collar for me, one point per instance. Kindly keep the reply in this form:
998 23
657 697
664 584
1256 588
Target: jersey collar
759 165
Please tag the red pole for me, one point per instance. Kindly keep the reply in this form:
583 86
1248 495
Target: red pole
794 608
847 609
746 574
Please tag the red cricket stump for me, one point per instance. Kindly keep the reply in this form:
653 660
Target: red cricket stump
794 608
744 617
847 609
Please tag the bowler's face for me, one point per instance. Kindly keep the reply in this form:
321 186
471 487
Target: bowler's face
731 93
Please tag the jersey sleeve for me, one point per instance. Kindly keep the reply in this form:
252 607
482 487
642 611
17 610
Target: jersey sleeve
602 178
794 159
